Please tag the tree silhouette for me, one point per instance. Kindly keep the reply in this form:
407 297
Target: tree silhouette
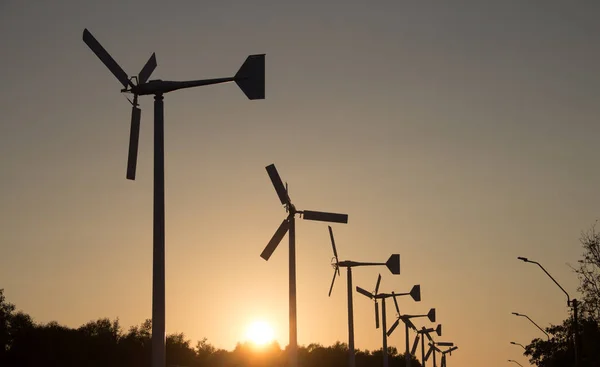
103 343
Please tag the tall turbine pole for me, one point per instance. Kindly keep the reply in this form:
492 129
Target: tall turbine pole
407 353
384 329
351 353
158 257
423 346
293 344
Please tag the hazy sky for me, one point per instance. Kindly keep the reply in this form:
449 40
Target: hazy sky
459 134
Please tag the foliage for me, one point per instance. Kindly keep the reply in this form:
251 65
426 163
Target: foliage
560 349
589 273
24 343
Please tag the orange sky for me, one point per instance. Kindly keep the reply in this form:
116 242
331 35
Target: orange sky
460 136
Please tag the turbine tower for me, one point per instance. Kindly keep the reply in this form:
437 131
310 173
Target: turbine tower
289 224
415 293
251 80
393 264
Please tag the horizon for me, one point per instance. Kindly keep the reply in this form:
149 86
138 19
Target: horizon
458 136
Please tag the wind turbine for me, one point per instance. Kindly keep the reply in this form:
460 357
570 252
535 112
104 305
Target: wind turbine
415 293
425 332
408 324
393 264
251 80
448 351
433 347
289 224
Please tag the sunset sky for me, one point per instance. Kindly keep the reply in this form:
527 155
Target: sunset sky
458 134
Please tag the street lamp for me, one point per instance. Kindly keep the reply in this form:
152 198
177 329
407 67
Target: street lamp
533 322
570 303
512 360
513 343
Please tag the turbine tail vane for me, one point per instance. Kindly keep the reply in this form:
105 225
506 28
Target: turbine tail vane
415 293
251 77
393 264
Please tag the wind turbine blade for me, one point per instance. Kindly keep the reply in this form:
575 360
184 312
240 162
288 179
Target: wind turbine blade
396 304
134 137
274 242
147 69
394 326
431 315
325 217
376 315
251 77
445 344
393 264
415 345
428 352
105 57
429 337
333 243
377 285
415 293
334 253
410 324
332 281
278 184
438 330
364 292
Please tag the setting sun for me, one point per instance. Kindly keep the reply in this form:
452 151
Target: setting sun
259 333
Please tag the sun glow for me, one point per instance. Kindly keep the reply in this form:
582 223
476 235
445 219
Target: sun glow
259 333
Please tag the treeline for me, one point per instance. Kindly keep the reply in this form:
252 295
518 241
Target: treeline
558 350
103 343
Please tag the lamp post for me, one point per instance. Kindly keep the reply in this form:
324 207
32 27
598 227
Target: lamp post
519 344
533 322
570 303
512 360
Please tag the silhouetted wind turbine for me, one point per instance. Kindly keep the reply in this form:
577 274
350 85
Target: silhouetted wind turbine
448 351
289 224
425 332
415 293
408 324
251 80
393 264
433 347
